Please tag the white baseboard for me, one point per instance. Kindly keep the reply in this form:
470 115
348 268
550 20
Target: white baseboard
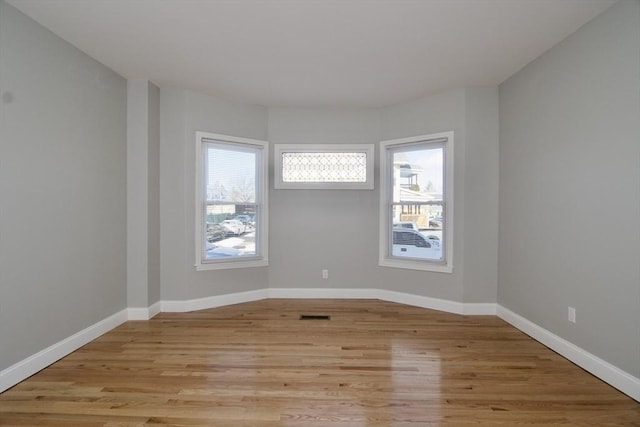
320 293
449 306
607 372
421 301
155 309
143 313
138 313
214 301
479 309
385 295
32 364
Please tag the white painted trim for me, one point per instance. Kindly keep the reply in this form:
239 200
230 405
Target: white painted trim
422 301
262 201
384 258
479 309
367 149
327 293
438 304
386 295
138 313
319 293
607 372
228 265
213 301
34 363
410 264
154 309
143 313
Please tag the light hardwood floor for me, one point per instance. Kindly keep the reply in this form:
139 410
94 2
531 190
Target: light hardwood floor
257 364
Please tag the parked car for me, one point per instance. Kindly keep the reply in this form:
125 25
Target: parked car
433 239
435 222
246 219
215 232
234 226
249 221
406 224
413 244
410 225
403 236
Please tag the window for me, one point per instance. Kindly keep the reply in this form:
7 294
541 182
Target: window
231 202
416 202
324 166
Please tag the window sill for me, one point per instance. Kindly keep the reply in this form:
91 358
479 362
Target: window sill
416 265
231 264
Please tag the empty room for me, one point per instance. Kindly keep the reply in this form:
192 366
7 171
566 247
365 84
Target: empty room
331 213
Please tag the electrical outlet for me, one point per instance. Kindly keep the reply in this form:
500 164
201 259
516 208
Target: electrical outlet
325 274
572 315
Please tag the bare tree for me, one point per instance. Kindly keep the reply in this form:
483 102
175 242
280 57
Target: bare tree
218 192
243 190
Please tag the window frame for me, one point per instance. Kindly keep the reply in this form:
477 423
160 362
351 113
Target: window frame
367 149
261 258
387 148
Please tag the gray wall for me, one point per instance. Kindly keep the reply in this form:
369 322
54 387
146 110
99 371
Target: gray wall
153 195
143 193
480 227
137 191
338 230
570 188
472 113
311 230
182 113
62 189
438 113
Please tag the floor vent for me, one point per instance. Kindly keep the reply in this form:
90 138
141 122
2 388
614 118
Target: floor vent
315 317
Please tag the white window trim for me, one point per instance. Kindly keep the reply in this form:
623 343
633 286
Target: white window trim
385 260
279 149
262 258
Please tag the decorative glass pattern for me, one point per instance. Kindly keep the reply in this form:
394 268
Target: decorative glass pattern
324 167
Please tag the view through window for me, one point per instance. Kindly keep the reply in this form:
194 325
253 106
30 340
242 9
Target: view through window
418 205
416 202
231 201
232 205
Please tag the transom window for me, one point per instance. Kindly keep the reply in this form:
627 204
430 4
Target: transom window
231 224
326 166
416 209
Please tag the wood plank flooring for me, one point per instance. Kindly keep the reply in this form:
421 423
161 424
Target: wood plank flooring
258 365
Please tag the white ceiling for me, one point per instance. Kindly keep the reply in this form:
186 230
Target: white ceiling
315 53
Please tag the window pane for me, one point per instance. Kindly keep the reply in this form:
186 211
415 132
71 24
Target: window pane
417 231
417 209
230 231
231 174
418 175
230 209
324 167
